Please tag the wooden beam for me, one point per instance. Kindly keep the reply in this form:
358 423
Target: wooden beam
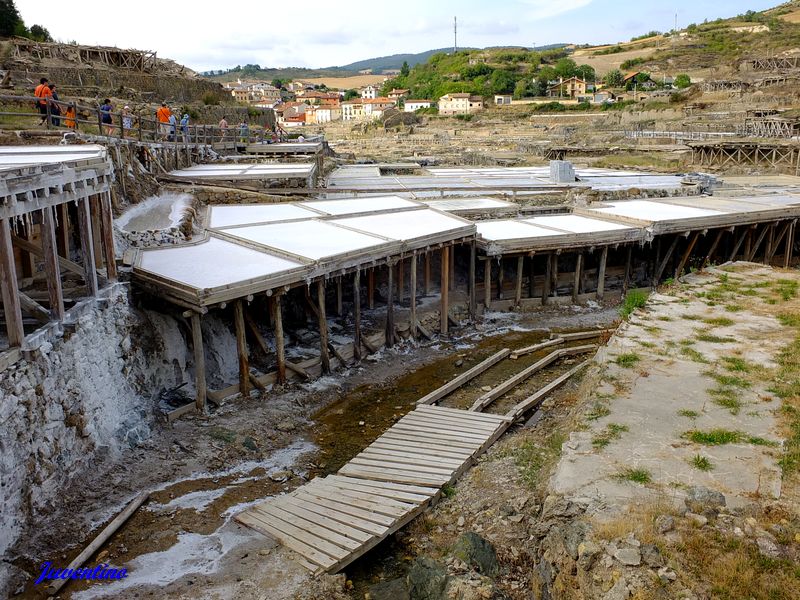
738 244
687 253
277 324
776 242
34 309
601 273
787 255
535 399
62 231
531 277
516 354
27 263
64 263
713 249
413 297
626 278
94 212
199 364
457 382
518 282
444 304
87 246
501 278
8 286
357 315
323 328
576 281
51 270
757 244
554 274
487 282
339 296
426 283
390 307
401 275
548 277
664 261
241 347
451 253
472 302
371 288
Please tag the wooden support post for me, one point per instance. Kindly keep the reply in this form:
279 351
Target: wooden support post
548 277
663 264
735 251
531 277
487 283
748 242
390 307
323 328
413 297
452 263
51 269
757 245
426 281
62 212
472 301
199 364
401 273
518 282
94 208
501 278
554 272
339 296
770 242
8 287
687 254
576 282
601 273
277 324
106 221
626 278
357 315
444 305
787 255
27 262
712 250
371 288
87 246
241 347
776 242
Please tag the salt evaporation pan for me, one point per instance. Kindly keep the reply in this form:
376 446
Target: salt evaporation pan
155 213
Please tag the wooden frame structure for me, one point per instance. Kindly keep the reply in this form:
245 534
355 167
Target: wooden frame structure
144 61
780 156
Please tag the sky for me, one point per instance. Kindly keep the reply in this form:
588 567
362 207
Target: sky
207 35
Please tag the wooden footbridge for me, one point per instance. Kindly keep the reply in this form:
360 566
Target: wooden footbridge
333 520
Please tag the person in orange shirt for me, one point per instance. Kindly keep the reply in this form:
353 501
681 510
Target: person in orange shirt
69 117
44 93
163 114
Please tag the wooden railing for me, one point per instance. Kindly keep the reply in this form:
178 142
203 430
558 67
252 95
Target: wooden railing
137 127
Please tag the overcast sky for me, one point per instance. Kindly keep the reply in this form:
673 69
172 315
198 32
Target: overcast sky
320 33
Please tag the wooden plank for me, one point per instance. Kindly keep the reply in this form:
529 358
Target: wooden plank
457 382
33 308
413 297
470 427
601 273
64 263
534 399
295 509
487 283
518 282
357 315
51 269
409 467
360 485
381 474
536 347
318 496
444 432
374 502
427 438
403 445
576 280
548 276
107 235
466 414
444 304
626 278
390 307
712 249
391 455
241 348
663 264
199 363
288 529
430 417
312 527
87 246
687 253
276 313
389 486
580 335
306 550
331 511
472 301
323 328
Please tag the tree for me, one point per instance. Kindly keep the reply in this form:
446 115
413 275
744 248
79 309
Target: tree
521 89
404 70
10 20
40 34
642 77
502 82
565 68
682 81
350 94
585 72
277 83
614 78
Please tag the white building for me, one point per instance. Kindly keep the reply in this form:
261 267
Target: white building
459 104
415 105
369 93
373 109
326 114
353 110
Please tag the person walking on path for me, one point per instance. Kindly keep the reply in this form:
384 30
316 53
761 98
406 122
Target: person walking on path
173 126
70 117
44 93
163 114
185 127
244 131
105 117
55 107
223 126
127 119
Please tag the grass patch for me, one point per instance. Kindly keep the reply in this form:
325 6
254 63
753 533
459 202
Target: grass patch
789 319
613 431
224 435
759 441
639 475
598 412
532 457
649 345
704 336
790 461
713 437
652 330
694 355
692 414
727 398
728 380
448 491
627 360
690 317
664 318
786 288
702 463
734 308
633 299
736 364
719 321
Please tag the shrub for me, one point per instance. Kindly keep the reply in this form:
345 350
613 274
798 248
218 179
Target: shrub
633 300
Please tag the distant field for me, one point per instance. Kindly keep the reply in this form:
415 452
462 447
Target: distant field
346 83
792 17
603 64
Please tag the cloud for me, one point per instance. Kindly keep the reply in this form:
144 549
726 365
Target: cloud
542 9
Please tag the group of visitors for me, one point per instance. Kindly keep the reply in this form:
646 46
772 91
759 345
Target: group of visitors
168 124
49 105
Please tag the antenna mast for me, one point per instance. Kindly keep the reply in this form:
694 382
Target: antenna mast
455 35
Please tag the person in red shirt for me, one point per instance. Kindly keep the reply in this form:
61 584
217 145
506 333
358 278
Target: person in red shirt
44 93
163 114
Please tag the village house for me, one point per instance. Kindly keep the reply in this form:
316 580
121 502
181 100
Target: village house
502 99
319 98
373 108
365 72
567 88
391 72
460 104
291 112
414 105
353 110
369 93
326 114
396 94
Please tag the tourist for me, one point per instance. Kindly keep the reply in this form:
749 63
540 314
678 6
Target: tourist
223 128
173 126
301 138
163 114
244 132
44 94
55 108
185 127
127 118
105 117
70 117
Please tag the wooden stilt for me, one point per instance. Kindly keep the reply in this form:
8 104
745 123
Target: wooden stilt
241 347
748 242
62 212
371 289
501 278
357 315
452 262
518 282
735 251
776 242
338 296
576 282
107 229
87 246
94 210
787 256
472 302
199 364
27 259
426 283
390 307
663 264
548 277
626 278
51 268
8 286
601 273
770 242
401 275
277 324
444 305
413 297
323 328
687 253
712 250
554 272
487 283
757 245
531 277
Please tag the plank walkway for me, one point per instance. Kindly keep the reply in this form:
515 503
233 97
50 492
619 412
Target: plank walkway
331 521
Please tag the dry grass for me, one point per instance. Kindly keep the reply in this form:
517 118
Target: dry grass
347 83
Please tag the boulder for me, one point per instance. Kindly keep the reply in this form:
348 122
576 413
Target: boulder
476 552
700 499
395 589
426 580
631 557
